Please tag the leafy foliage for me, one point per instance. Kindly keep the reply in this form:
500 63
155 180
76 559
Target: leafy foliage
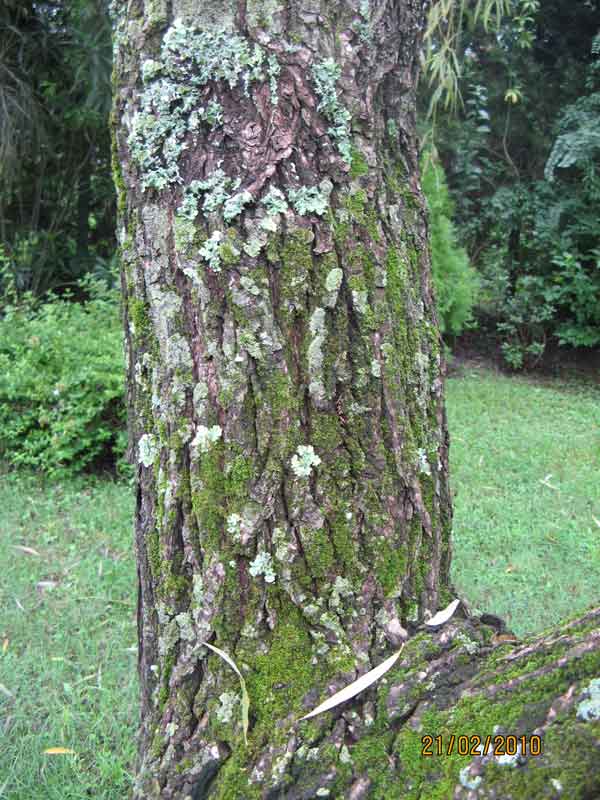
56 192
62 381
454 279
522 164
578 139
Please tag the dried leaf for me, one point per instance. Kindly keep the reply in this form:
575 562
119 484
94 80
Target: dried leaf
28 550
42 586
355 687
59 751
5 646
245 697
504 638
546 482
444 615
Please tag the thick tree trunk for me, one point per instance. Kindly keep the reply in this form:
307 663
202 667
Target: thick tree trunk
284 383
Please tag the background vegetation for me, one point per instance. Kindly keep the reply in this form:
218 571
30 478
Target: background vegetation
511 133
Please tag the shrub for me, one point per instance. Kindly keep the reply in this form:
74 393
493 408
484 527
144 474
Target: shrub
455 281
62 381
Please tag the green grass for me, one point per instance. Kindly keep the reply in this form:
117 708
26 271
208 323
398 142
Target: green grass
525 469
67 652
525 472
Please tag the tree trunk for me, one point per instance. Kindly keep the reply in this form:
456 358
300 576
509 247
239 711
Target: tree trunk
285 392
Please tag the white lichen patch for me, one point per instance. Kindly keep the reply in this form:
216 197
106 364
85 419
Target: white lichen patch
263 565
468 644
467 781
178 353
315 353
375 368
186 627
589 708
304 460
423 463
205 437
360 301
234 525
226 710
341 588
211 251
148 449
333 281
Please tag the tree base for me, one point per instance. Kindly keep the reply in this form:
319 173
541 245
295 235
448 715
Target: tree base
467 713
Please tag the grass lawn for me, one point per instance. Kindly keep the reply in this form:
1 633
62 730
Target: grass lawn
526 479
525 470
67 639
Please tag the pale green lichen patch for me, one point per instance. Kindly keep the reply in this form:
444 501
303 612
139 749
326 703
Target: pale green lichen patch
311 199
275 202
362 26
178 353
211 251
148 449
304 460
263 565
333 281
315 354
219 192
325 75
228 707
589 708
172 103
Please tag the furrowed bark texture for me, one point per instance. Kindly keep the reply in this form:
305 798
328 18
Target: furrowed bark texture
284 380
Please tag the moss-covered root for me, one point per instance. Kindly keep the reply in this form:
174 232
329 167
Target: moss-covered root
470 681
466 713
424 732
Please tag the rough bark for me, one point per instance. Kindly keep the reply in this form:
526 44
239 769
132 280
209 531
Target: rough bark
284 386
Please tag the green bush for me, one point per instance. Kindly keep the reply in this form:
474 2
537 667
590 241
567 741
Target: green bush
62 382
455 281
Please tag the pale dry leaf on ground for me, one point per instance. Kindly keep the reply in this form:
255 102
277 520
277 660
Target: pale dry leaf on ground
30 551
